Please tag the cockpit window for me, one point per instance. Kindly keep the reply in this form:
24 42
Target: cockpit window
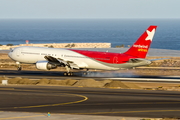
11 49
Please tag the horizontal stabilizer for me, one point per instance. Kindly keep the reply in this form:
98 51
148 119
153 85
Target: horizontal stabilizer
159 59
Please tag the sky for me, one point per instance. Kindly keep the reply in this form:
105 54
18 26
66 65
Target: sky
89 9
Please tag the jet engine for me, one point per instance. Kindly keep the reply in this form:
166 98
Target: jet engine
45 65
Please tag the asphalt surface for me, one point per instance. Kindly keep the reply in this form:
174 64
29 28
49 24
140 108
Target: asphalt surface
90 101
58 75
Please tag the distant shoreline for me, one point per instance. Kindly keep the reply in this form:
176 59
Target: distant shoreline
60 45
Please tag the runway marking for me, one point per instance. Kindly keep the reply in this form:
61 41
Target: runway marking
137 103
77 92
20 117
155 103
123 112
85 98
119 92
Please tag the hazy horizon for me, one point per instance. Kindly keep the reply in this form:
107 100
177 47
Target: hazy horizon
85 9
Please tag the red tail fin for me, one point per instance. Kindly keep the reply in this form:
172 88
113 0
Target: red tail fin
141 46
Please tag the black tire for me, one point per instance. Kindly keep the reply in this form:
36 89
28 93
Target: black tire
19 68
65 73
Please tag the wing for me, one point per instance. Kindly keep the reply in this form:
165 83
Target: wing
71 64
60 61
51 59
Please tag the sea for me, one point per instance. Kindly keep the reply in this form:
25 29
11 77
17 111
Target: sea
115 31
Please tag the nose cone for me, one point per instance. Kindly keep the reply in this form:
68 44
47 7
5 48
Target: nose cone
10 54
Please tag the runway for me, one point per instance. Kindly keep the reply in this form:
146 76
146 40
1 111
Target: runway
96 75
85 101
90 101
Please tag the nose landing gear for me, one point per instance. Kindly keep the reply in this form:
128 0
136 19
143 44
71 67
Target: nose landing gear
19 68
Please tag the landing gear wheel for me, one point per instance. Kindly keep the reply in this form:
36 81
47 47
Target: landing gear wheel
85 73
65 73
68 73
19 68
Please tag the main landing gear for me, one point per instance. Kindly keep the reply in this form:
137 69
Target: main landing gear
68 73
86 72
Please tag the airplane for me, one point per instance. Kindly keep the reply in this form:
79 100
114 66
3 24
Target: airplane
50 58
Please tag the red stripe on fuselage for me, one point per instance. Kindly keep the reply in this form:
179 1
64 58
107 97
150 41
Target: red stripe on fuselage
107 57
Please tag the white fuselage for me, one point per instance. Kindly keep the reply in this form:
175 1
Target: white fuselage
33 54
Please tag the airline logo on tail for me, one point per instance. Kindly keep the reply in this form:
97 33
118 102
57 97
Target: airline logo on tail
150 35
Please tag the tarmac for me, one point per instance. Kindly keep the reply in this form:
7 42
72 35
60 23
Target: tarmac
98 103
43 116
